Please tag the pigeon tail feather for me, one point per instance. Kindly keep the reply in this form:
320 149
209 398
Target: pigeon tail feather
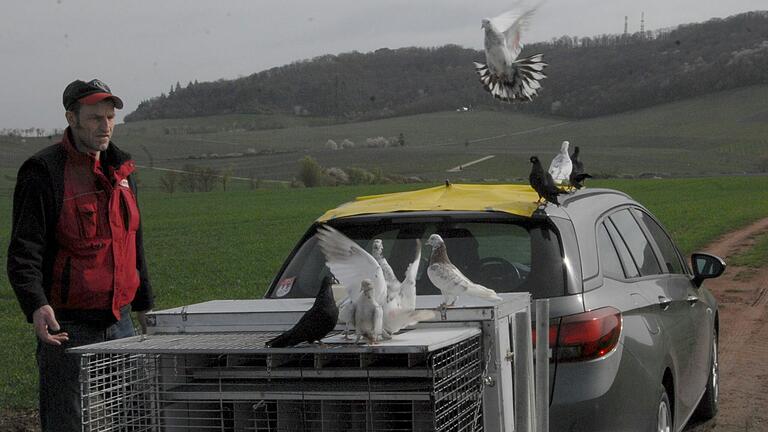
477 290
523 84
397 320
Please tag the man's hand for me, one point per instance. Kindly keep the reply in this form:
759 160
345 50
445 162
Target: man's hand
44 321
141 317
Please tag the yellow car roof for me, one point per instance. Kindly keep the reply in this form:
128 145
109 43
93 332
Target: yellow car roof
518 200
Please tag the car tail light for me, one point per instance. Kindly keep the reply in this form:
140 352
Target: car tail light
584 336
587 336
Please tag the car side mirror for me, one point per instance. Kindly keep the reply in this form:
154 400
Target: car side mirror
706 266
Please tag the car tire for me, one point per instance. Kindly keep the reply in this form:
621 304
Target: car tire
664 413
707 408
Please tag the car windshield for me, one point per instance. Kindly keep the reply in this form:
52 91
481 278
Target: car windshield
504 254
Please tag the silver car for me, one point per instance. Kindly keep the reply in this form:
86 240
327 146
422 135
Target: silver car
633 332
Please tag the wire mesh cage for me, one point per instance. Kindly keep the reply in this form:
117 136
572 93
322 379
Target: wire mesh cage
230 382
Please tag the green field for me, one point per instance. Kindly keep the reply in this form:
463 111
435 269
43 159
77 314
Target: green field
228 245
721 133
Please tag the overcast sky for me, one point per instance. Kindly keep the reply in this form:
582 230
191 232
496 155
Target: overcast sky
142 47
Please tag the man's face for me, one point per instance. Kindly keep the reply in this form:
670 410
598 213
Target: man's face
92 128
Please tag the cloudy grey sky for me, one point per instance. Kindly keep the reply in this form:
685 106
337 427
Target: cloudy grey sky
142 47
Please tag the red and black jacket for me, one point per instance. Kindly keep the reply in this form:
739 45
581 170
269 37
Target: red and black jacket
76 241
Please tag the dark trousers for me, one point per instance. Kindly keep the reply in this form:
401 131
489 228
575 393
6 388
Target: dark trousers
60 408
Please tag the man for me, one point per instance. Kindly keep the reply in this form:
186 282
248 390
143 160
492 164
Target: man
76 258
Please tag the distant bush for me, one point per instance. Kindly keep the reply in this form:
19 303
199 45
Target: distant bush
347 143
311 173
331 145
359 176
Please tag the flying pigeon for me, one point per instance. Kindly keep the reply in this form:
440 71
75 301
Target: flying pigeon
560 168
542 182
504 76
577 173
315 324
450 280
368 314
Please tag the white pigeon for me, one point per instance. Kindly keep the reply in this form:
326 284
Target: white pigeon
449 279
504 76
350 264
561 166
368 314
393 285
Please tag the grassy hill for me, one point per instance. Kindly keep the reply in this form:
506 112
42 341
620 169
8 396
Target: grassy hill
721 133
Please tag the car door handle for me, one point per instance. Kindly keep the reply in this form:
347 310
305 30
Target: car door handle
664 302
692 299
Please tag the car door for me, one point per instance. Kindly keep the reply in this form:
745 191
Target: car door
699 314
667 302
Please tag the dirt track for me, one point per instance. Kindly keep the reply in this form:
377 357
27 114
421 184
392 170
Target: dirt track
743 297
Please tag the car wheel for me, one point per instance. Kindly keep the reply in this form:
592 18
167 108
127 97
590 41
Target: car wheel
708 405
664 414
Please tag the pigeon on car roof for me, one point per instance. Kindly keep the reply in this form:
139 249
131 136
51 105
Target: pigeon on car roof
451 282
315 324
560 168
542 182
577 173
503 75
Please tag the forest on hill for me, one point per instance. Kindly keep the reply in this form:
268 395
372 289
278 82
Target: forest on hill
587 77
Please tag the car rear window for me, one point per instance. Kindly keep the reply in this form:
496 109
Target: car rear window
502 254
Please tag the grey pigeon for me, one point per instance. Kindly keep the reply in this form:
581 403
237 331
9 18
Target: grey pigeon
504 76
315 324
577 173
449 279
560 168
541 181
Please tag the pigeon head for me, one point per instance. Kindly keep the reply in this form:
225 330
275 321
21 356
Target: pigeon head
378 247
435 241
366 286
576 150
486 24
564 147
534 159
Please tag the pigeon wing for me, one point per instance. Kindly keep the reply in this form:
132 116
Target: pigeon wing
511 24
350 263
560 168
447 278
408 287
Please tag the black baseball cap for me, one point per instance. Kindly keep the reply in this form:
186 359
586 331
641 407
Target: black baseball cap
89 93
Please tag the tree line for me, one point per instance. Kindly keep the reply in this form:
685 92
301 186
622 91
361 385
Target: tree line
587 77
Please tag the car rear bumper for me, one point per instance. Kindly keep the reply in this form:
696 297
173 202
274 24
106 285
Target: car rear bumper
587 395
